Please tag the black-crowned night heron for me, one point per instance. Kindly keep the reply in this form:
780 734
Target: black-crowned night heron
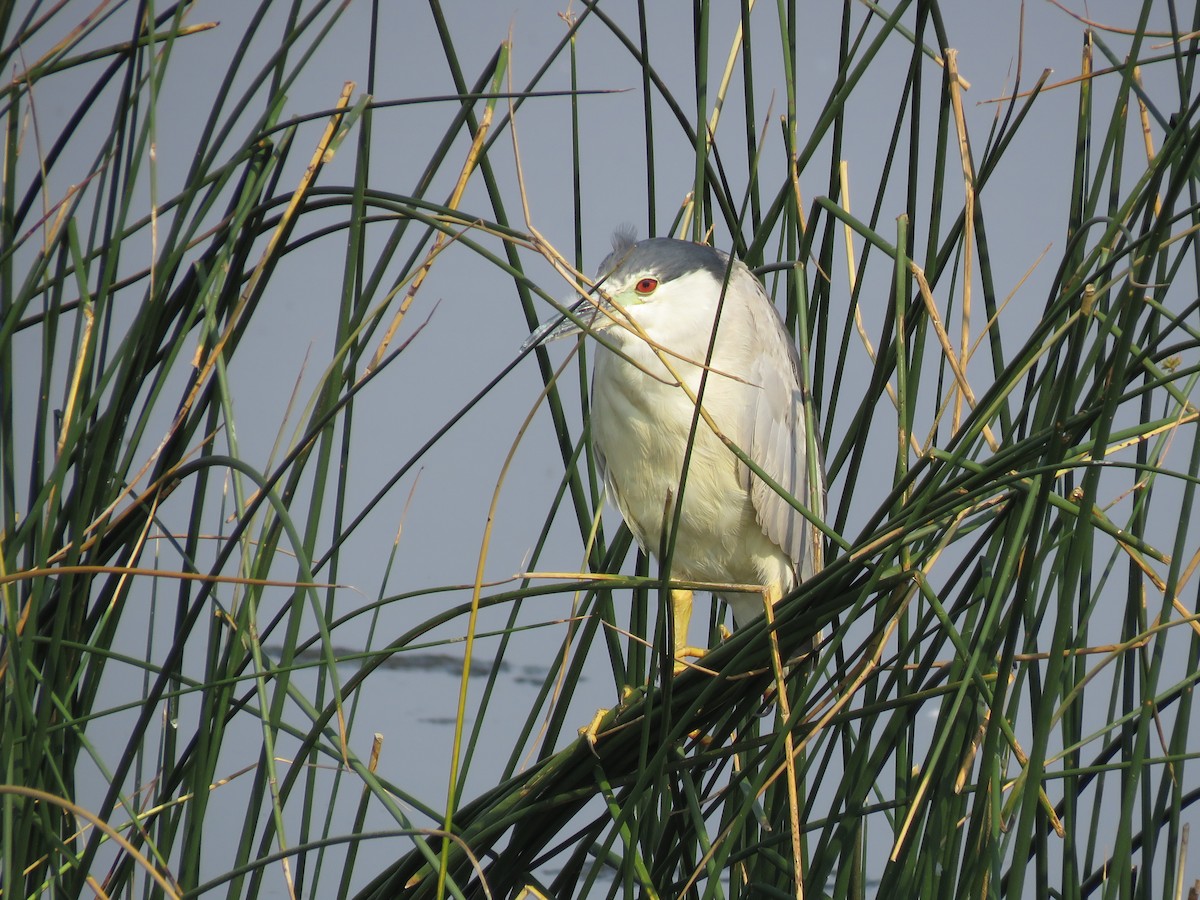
659 302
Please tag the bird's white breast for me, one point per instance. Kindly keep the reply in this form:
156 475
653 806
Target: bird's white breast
641 427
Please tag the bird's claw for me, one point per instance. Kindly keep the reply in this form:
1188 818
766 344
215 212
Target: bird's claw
680 665
591 731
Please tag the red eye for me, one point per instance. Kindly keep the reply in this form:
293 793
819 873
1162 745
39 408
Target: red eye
646 286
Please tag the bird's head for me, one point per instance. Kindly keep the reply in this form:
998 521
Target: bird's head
669 288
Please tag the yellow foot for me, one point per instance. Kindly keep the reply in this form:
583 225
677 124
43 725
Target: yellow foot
681 652
591 731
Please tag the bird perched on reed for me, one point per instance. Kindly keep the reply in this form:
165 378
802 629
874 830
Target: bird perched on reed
666 312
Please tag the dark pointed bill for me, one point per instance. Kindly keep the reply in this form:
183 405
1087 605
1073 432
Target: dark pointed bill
588 313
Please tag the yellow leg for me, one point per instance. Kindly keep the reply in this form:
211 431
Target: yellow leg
681 614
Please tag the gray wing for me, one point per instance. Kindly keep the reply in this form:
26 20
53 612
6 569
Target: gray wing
774 432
